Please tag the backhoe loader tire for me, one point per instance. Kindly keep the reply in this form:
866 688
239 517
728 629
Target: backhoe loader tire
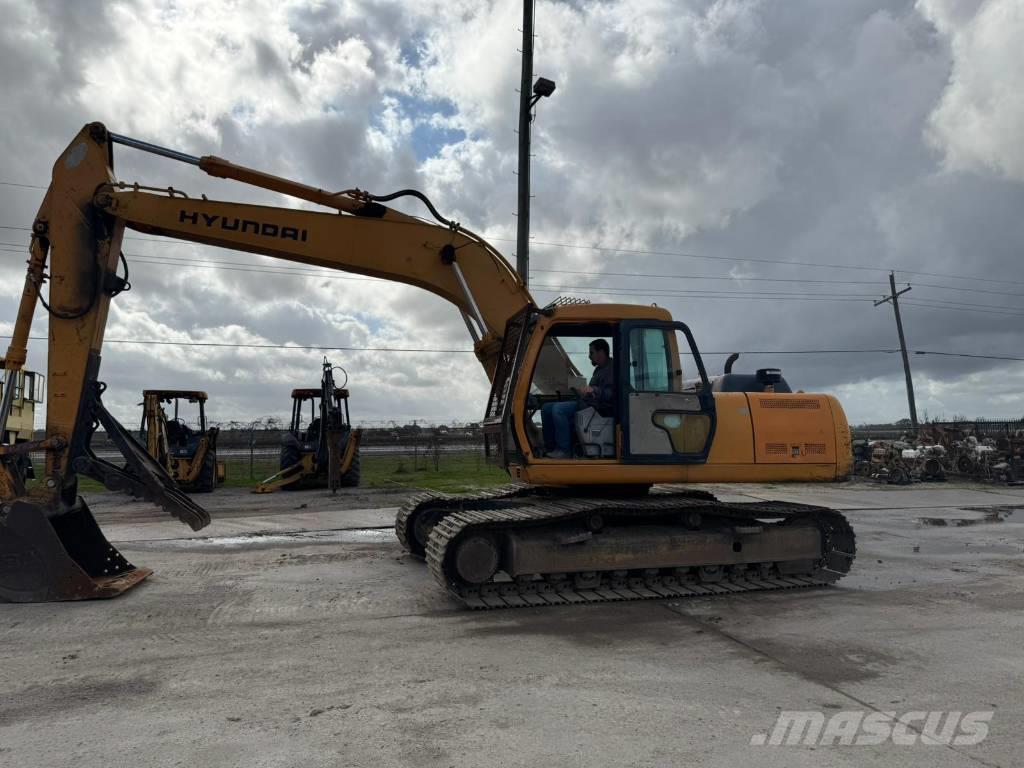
290 456
207 480
351 478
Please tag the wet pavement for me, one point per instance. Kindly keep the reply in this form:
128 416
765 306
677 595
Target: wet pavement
293 632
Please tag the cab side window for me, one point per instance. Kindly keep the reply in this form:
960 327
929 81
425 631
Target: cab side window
651 367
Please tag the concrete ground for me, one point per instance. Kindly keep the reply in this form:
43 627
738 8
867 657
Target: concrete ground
293 632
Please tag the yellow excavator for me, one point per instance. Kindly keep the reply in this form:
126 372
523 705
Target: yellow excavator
189 455
597 524
326 453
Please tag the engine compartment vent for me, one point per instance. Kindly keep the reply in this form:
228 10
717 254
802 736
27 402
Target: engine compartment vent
789 402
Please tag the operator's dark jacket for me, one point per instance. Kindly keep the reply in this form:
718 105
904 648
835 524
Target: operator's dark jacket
603 382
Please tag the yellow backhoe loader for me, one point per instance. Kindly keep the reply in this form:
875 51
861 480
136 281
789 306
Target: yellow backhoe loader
18 397
189 455
591 526
326 453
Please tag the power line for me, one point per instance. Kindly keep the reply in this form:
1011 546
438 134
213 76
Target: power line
965 354
752 279
733 259
271 269
650 290
170 261
968 290
262 346
719 294
952 303
963 309
725 296
309 270
25 186
643 252
469 351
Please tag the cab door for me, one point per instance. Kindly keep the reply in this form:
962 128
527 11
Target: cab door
665 400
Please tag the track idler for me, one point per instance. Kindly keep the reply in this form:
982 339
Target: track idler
60 557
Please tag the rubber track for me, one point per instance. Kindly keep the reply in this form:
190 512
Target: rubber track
838 542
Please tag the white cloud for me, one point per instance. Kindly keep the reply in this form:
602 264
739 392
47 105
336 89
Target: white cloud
977 124
782 129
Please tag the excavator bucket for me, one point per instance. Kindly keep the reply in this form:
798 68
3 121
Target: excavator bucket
54 550
66 557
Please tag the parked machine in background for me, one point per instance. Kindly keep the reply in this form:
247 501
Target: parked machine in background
188 454
326 453
19 395
28 389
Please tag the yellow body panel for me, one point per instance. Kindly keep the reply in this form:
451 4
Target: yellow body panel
750 428
740 428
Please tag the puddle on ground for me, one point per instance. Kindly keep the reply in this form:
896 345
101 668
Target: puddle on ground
348 536
988 515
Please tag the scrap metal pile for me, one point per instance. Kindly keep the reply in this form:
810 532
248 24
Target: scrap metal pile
990 451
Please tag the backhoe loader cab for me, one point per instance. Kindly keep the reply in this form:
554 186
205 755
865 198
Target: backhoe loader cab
325 452
305 440
177 437
26 391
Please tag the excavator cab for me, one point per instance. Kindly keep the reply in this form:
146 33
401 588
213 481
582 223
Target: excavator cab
657 416
187 448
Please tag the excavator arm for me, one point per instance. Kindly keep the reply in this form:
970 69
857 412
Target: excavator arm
53 549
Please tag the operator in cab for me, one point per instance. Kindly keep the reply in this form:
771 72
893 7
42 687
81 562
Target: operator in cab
557 418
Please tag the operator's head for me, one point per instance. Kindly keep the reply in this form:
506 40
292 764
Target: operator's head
599 351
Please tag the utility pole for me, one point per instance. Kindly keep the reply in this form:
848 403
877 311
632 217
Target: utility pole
525 107
894 298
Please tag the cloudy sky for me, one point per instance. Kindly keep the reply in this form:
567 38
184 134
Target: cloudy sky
705 155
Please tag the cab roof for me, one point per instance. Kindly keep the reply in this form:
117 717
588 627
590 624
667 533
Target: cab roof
608 313
170 394
305 394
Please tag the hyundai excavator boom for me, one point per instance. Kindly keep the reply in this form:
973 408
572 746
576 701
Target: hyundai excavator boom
588 527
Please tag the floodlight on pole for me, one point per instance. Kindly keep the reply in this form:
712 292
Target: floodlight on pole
528 98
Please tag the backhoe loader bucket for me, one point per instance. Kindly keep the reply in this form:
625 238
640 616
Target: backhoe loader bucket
64 557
